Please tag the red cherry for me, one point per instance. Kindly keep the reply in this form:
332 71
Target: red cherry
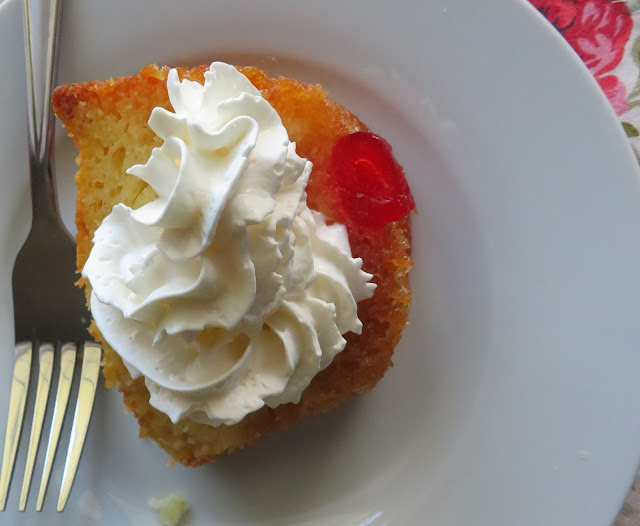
368 181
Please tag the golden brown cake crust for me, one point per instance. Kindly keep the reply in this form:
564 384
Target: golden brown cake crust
108 123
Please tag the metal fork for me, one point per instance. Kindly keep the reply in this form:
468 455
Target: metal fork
50 314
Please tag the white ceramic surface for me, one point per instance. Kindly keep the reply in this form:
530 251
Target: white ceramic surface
514 400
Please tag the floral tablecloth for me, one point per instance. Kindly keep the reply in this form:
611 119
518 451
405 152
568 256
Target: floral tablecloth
606 36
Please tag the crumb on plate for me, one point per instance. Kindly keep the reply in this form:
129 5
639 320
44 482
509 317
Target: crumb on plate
171 509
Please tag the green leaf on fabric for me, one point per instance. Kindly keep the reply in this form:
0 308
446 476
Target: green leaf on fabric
630 129
635 51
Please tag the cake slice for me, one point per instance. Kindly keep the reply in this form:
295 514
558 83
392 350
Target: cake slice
108 122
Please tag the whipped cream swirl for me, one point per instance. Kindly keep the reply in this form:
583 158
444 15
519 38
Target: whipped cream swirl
226 292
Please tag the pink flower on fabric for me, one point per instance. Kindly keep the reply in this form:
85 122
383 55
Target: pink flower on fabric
561 13
598 31
615 92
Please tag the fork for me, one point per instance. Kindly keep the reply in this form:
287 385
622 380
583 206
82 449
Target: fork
50 313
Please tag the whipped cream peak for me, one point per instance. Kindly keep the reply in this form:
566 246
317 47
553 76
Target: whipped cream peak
226 292
214 133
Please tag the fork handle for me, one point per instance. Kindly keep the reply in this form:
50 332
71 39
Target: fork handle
40 135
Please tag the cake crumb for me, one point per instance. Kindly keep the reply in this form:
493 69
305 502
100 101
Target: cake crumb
171 509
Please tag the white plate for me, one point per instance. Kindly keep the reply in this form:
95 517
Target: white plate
514 400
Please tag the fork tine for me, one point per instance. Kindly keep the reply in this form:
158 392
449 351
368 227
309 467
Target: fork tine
67 364
88 382
42 395
17 400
